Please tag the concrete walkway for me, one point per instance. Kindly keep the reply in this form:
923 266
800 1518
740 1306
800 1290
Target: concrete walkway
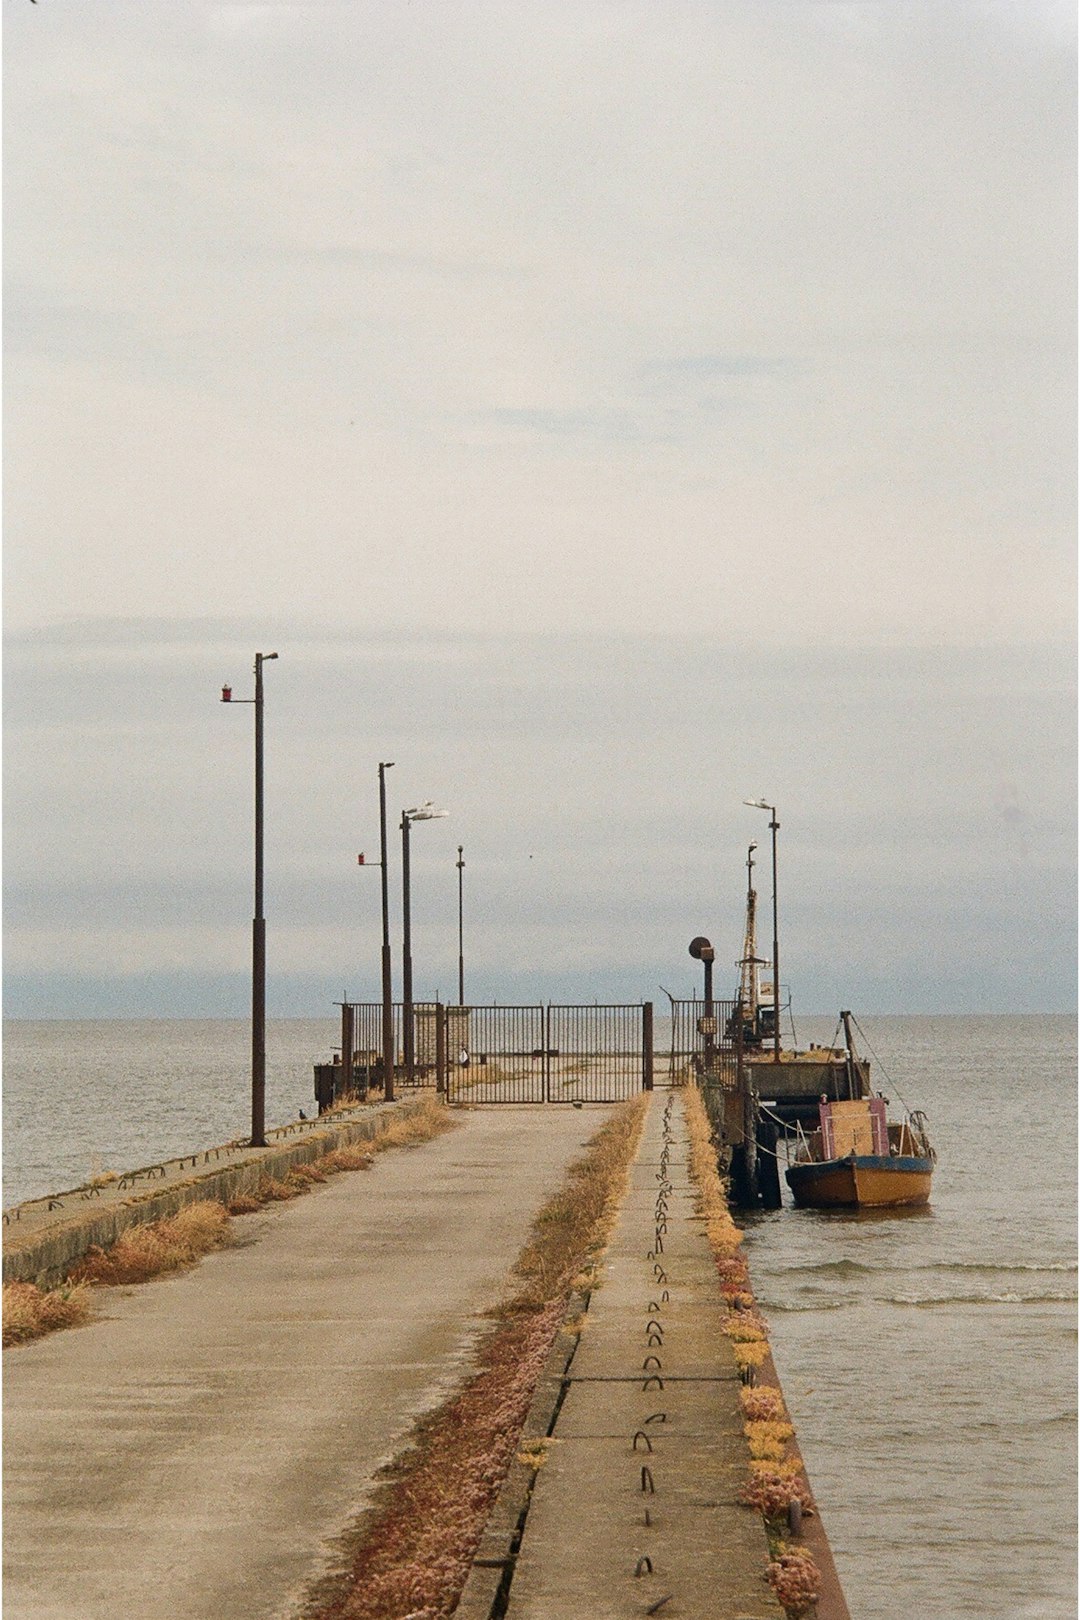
192 1455
636 1503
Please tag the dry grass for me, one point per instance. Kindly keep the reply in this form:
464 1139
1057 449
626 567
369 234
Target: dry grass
430 1119
573 1227
30 1312
159 1247
776 1480
763 1405
354 1156
149 1251
419 1543
796 1580
243 1204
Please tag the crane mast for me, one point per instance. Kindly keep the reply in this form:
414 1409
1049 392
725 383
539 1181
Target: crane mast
750 961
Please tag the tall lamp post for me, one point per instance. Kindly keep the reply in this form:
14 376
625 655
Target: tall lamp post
774 827
387 989
258 927
422 812
460 927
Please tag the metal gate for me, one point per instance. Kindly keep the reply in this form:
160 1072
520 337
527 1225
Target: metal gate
599 1054
552 1054
494 1054
703 1046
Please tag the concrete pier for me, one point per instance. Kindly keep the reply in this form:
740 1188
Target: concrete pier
195 1452
201 1448
636 1501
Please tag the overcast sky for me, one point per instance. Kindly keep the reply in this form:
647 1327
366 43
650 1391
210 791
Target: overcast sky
609 411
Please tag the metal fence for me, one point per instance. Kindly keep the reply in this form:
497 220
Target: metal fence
501 1056
599 1054
524 1054
703 1044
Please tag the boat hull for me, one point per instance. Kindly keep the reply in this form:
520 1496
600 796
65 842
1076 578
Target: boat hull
861 1180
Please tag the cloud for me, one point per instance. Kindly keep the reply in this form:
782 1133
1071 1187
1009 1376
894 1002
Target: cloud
546 310
596 787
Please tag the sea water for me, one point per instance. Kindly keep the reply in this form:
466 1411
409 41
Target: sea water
928 1357
84 1098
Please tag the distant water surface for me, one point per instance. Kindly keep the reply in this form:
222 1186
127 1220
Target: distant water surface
115 1094
929 1357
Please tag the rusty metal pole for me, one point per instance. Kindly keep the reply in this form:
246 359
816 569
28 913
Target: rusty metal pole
347 1045
406 951
647 1043
774 828
440 1050
460 928
387 987
258 926
258 934
707 957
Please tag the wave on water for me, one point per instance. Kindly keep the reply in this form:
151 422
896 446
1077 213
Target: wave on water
837 1268
1008 1298
771 1306
856 1268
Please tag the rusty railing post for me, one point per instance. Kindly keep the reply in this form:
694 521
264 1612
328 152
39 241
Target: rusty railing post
440 1049
647 1043
347 1044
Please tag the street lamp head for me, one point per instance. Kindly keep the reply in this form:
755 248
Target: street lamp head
424 812
757 804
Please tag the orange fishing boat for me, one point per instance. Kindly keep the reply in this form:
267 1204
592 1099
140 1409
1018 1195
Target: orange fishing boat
857 1156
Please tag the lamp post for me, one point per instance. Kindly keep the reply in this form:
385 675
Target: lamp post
703 952
774 827
460 927
387 989
258 927
423 812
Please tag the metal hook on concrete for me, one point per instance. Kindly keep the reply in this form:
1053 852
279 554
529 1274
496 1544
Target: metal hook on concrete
656 1359
647 1486
644 1565
652 1379
641 1435
657 1417
654 1608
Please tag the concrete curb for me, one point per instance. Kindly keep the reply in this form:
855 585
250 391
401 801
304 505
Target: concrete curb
484 1593
832 1604
45 1255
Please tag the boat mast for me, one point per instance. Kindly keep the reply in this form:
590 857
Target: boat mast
854 1084
748 985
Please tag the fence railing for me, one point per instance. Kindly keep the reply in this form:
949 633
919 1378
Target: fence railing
704 1047
522 1054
